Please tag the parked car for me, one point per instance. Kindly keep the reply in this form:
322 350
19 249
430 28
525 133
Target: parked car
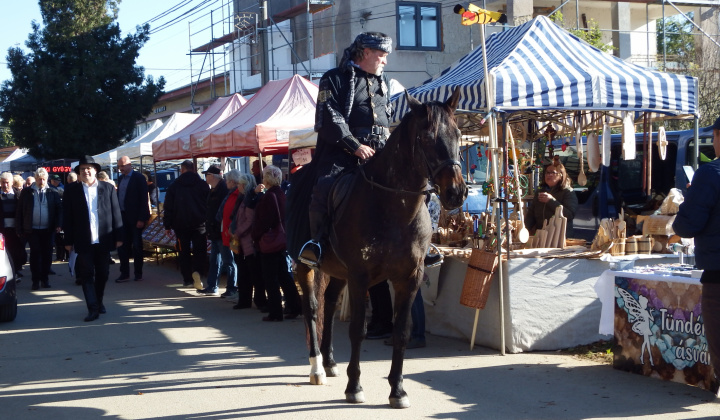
8 297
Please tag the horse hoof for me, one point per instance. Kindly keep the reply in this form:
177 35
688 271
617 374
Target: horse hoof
403 402
356 398
331 371
318 379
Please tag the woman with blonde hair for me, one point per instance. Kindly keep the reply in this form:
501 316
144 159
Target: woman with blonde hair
555 190
247 259
269 213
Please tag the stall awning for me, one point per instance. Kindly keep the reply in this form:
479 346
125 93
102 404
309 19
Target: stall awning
540 66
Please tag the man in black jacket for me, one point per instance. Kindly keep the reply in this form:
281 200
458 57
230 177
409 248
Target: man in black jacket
352 118
218 192
133 198
9 196
37 219
185 212
93 227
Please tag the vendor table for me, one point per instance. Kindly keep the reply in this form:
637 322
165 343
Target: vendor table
658 326
550 304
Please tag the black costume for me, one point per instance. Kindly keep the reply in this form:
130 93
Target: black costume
353 109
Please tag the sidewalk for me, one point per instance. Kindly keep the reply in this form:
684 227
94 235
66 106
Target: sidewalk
162 351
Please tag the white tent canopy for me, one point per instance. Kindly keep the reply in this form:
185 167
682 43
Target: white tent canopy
18 160
142 144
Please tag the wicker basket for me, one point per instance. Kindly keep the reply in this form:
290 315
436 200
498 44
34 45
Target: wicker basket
478 278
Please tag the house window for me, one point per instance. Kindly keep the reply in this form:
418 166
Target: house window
418 26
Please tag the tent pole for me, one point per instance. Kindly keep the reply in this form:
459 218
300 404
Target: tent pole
492 120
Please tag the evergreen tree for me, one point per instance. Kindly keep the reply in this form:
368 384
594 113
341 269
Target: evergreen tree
78 90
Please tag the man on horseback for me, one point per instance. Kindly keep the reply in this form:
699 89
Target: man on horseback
352 119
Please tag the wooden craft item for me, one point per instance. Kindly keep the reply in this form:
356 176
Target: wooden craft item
628 136
662 142
542 238
605 155
593 152
582 179
563 231
548 243
557 222
523 234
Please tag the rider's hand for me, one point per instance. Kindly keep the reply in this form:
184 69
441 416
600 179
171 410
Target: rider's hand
364 152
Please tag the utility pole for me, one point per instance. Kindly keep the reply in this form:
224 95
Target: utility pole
264 42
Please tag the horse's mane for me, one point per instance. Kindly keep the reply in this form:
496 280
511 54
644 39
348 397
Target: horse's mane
434 112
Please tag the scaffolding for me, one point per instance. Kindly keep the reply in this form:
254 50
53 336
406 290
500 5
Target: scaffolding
236 44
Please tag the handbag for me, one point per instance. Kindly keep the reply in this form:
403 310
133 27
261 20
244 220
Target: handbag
274 240
235 244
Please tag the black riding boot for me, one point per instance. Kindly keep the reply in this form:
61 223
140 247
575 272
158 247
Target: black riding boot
311 252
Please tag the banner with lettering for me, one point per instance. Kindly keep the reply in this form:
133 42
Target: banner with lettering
659 331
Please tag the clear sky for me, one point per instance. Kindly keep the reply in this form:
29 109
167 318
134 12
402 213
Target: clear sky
165 54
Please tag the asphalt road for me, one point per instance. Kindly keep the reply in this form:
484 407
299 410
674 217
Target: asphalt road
162 352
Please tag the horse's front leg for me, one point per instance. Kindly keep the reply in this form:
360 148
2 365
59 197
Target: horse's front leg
405 291
306 278
356 293
332 292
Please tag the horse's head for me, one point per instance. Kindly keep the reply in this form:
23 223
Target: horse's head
439 138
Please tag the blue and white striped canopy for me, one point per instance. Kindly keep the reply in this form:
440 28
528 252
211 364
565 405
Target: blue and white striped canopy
540 66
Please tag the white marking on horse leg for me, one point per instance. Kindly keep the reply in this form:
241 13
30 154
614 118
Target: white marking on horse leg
317 373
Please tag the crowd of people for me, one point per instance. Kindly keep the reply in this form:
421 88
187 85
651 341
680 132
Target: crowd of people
237 213
40 212
232 211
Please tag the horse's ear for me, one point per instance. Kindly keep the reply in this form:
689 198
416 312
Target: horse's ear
453 101
414 104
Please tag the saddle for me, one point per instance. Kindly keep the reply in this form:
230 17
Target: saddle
339 193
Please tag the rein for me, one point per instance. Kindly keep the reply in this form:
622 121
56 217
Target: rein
433 172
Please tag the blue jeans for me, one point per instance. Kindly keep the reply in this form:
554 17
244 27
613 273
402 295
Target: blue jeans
221 259
417 312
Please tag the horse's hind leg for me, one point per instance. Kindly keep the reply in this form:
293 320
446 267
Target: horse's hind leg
332 293
306 278
405 292
356 293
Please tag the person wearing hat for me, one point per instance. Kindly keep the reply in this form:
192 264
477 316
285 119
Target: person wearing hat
699 218
93 228
135 208
38 217
60 253
219 257
56 184
185 213
352 119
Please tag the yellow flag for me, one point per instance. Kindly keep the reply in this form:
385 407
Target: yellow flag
474 14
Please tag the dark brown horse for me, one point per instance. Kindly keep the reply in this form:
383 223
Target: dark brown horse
381 231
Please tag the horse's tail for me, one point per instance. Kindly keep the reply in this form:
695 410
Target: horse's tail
297 222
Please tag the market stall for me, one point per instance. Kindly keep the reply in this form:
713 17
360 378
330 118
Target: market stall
177 145
545 91
263 124
142 145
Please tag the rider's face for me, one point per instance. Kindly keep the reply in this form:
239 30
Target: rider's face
373 61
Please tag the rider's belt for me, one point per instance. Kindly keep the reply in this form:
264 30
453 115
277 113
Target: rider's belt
374 131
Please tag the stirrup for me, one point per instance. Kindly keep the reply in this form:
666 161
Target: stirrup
307 261
439 260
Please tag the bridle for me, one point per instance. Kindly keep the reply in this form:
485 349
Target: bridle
432 171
